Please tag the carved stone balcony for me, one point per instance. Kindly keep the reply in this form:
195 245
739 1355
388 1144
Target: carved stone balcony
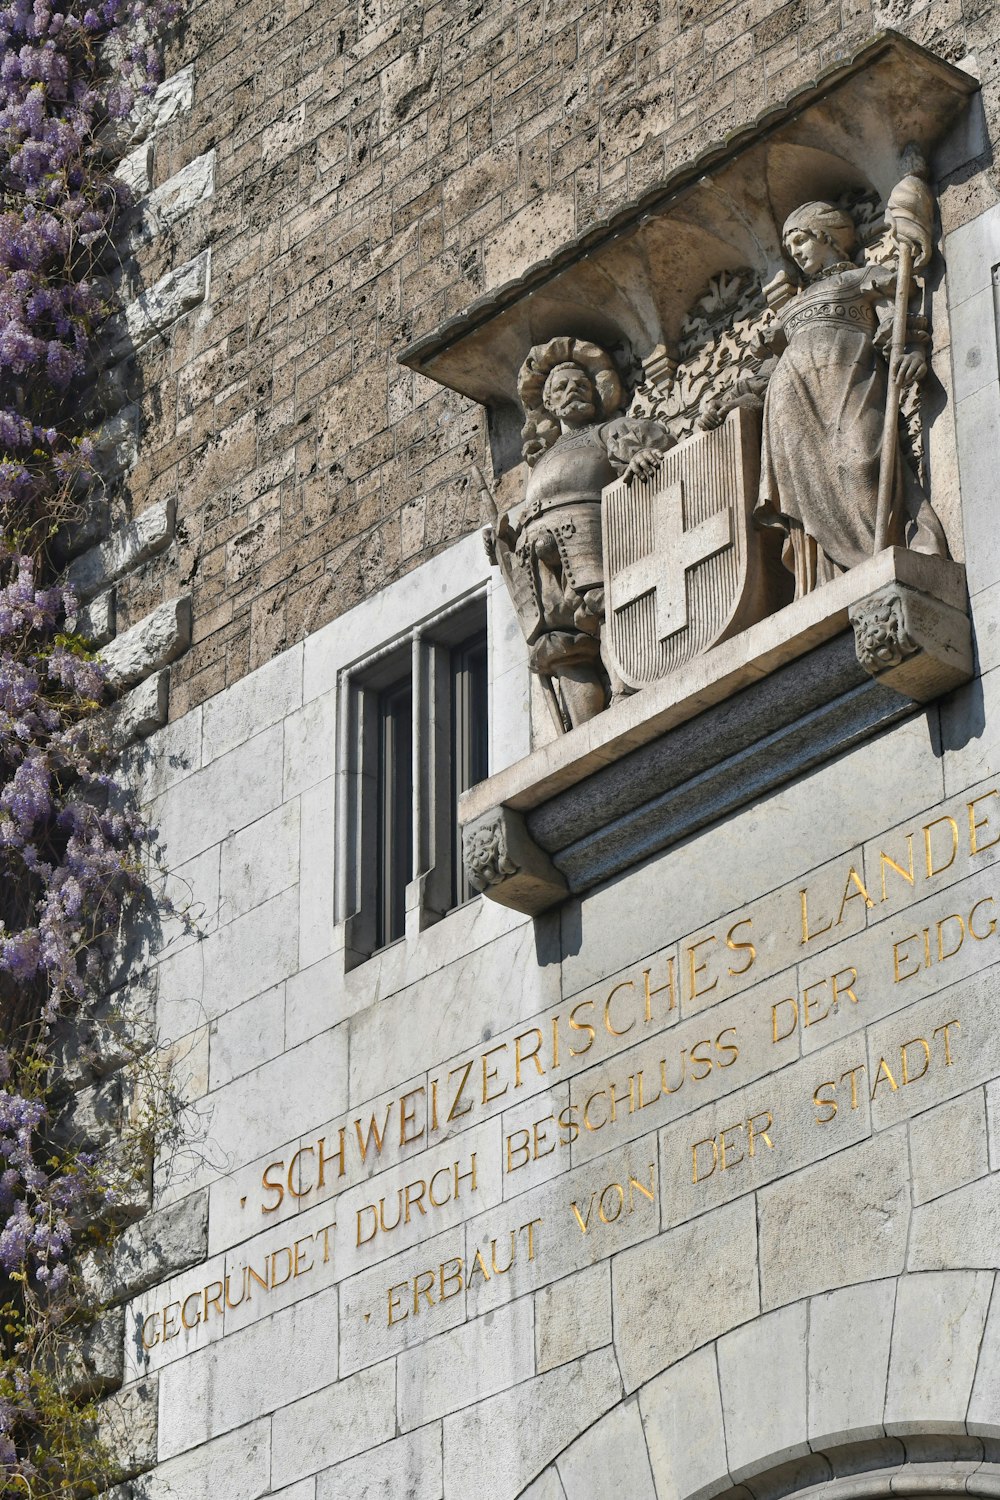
755 711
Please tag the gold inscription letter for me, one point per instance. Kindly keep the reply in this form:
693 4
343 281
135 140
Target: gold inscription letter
853 878
932 868
948 1059
754 1134
532 1056
694 969
900 955
807 935
490 1073
397 1313
904 1056
669 986
271 1186
779 1036
975 847
886 860
628 984
697 1176
824 1103
747 948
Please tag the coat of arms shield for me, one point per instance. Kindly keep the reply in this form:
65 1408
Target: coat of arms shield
685 568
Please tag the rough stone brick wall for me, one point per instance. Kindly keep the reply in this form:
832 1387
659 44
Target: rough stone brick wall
377 168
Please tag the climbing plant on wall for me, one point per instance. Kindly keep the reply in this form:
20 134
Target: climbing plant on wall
71 852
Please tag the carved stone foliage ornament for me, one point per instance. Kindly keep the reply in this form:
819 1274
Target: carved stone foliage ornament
911 641
718 350
506 864
484 850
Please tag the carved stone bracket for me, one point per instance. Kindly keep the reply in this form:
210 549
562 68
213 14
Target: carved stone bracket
880 635
503 861
911 642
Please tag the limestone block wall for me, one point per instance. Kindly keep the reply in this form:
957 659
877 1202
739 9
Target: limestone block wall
323 182
688 1188
776 1406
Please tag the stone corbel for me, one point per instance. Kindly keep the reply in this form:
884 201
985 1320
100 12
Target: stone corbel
503 861
912 642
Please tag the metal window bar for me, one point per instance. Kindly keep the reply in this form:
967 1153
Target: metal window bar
470 742
395 811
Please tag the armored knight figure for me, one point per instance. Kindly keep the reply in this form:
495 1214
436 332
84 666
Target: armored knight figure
551 558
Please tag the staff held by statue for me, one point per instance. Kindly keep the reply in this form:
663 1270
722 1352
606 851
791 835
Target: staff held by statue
910 215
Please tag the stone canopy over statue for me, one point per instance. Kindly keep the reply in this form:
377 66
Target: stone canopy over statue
781 447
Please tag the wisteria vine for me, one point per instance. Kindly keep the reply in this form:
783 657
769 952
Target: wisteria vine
70 850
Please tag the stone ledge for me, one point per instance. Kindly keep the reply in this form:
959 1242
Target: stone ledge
153 642
96 621
726 669
135 714
149 1251
756 710
157 210
149 533
156 308
94 1362
127 1424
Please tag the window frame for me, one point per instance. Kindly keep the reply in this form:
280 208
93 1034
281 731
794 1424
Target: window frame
469 751
424 655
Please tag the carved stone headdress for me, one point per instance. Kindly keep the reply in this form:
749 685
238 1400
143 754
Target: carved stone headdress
825 222
544 358
540 431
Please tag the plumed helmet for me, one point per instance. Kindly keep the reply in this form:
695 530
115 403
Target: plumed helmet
544 358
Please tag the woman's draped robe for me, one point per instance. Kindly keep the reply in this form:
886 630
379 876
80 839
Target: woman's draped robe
822 444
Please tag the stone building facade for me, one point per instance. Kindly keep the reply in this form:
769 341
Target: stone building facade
668 1164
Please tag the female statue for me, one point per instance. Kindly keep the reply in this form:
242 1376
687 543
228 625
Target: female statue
825 406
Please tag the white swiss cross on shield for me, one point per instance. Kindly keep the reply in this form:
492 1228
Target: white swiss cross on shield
675 553
662 572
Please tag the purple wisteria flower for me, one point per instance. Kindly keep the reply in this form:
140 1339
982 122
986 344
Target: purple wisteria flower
70 856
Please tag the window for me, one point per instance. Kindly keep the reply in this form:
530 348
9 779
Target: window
414 735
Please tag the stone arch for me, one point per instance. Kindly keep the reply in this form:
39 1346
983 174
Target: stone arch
887 1388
